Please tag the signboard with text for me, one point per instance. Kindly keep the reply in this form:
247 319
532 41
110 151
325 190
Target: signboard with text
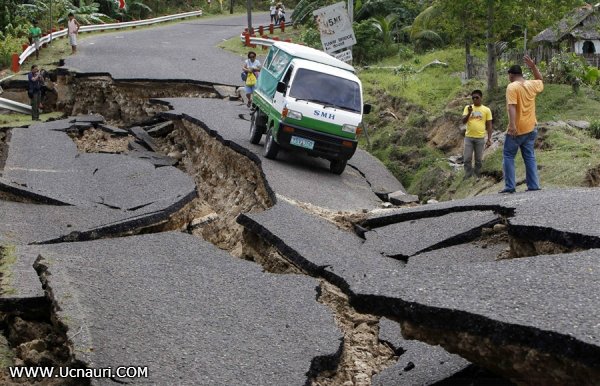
335 27
344 56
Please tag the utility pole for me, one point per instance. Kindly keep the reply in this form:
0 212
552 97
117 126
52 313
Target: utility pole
351 16
51 23
249 8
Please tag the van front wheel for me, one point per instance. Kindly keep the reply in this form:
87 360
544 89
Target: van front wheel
271 147
337 166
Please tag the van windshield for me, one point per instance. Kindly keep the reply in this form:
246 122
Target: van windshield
326 89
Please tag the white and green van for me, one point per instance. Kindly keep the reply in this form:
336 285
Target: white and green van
309 101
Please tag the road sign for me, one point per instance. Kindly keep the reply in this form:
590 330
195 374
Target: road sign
335 27
344 56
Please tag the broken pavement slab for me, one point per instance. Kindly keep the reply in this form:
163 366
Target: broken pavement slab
113 130
160 129
419 363
46 163
402 198
188 311
565 216
20 285
509 307
144 138
24 223
408 238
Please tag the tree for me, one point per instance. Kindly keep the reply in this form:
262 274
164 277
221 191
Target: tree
386 26
420 31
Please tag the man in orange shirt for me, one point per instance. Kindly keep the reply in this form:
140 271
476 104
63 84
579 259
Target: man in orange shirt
522 131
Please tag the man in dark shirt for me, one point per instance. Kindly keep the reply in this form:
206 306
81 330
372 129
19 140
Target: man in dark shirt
35 91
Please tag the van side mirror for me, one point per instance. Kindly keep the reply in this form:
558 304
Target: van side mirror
366 108
281 87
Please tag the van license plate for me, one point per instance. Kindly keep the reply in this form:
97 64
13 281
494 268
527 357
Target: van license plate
302 142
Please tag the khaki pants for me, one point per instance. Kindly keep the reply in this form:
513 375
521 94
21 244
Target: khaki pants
473 146
35 104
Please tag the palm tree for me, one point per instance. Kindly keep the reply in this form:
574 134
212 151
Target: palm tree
386 27
419 31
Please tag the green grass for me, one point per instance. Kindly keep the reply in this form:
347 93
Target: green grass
17 120
431 89
558 102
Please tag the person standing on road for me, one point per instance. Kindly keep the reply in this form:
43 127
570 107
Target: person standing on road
273 12
479 121
522 130
251 66
34 91
35 33
73 28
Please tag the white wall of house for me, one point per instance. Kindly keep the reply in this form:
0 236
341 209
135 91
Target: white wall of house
579 46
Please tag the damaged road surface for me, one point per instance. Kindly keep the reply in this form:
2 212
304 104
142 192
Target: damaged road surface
190 312
530 313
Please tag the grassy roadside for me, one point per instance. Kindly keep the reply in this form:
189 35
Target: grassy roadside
415 127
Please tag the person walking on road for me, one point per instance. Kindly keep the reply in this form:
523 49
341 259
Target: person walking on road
73 28
251 66
35 33
479 121
34 91
522 122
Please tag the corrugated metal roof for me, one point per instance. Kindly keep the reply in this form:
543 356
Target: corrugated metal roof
566 25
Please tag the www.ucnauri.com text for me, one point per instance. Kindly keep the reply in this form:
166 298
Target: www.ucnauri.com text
69 372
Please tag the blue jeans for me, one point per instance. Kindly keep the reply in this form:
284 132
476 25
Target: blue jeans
512 144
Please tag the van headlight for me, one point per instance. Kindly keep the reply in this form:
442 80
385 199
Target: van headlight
287 113
349 128
294 115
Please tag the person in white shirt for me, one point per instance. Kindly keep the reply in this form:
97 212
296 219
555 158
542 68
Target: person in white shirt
273 12
73 29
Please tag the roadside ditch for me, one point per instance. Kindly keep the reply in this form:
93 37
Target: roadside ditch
227 184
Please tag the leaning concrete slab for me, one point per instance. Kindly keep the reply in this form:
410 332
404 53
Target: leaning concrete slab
419 363
46 163
190 312
19 283
316 245
408 238
23 223
566 215
293 175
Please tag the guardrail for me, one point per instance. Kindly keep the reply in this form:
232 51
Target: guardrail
97 27
14 106
246 37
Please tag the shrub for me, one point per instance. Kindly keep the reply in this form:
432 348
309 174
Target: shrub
594 129
368 48
567 68
9 45
311 38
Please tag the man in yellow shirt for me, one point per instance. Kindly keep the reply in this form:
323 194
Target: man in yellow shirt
479 121
522 131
